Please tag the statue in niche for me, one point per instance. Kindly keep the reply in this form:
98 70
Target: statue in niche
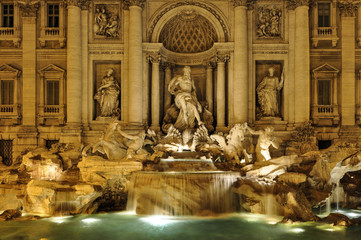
186 112
268 90
265 140
108 95
106 22
269 22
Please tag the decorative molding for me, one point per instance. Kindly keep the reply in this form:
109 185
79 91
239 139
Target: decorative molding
137 3
348 8
185 3
29 8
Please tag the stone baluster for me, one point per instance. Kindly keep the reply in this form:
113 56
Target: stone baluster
348 11
155 98
135 62
221 91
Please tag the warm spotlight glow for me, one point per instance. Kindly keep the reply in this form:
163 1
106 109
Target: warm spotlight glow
90 220
297 230
158 220
59 219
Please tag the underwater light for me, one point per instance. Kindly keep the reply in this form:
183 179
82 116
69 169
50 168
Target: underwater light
59 219
90 220
158 220
297 230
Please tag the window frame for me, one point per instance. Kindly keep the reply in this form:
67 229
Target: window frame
53 15
52 33
8 15
1 91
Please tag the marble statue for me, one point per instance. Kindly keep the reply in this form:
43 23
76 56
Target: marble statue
118 145
232 145
108 144
268 90
265 140
182 87
136 143
108 95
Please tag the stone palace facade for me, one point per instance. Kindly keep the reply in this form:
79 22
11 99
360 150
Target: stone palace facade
68 66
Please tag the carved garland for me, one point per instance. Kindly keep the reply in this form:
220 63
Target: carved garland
192 3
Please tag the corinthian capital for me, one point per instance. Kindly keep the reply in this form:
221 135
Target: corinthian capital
245 3
138 3
348 8
293 4
29 7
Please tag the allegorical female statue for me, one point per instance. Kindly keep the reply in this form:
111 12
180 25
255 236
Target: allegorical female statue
267 91
108 95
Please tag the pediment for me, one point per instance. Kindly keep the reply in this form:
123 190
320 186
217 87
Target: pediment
52 71
9 70
325 68
52 68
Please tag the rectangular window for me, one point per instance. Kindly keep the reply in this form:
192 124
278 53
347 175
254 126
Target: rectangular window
53 15
7 92
8 15
52 92
324 92
6 151
324 14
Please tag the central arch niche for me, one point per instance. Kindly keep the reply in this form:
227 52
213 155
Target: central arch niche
188 32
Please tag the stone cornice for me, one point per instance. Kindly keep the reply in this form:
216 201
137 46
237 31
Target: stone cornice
348 8
138 3
293 4
28 8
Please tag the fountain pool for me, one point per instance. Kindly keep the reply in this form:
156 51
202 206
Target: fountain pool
128 226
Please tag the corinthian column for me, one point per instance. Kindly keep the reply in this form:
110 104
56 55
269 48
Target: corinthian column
167 95
209 86
74 60
29 11
348 11
240 73
302 62
221 92
27 136
135 62
155 60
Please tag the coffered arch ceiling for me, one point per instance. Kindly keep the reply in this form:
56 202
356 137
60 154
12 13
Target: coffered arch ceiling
199 15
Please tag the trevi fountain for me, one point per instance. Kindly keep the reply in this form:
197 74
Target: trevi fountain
186 181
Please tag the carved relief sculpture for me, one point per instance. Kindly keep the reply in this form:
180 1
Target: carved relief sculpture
106 21
269 22
268 94
108 95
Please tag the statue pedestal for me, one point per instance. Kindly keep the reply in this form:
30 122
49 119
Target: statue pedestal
276 122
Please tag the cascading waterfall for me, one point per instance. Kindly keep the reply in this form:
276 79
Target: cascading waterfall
181 193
